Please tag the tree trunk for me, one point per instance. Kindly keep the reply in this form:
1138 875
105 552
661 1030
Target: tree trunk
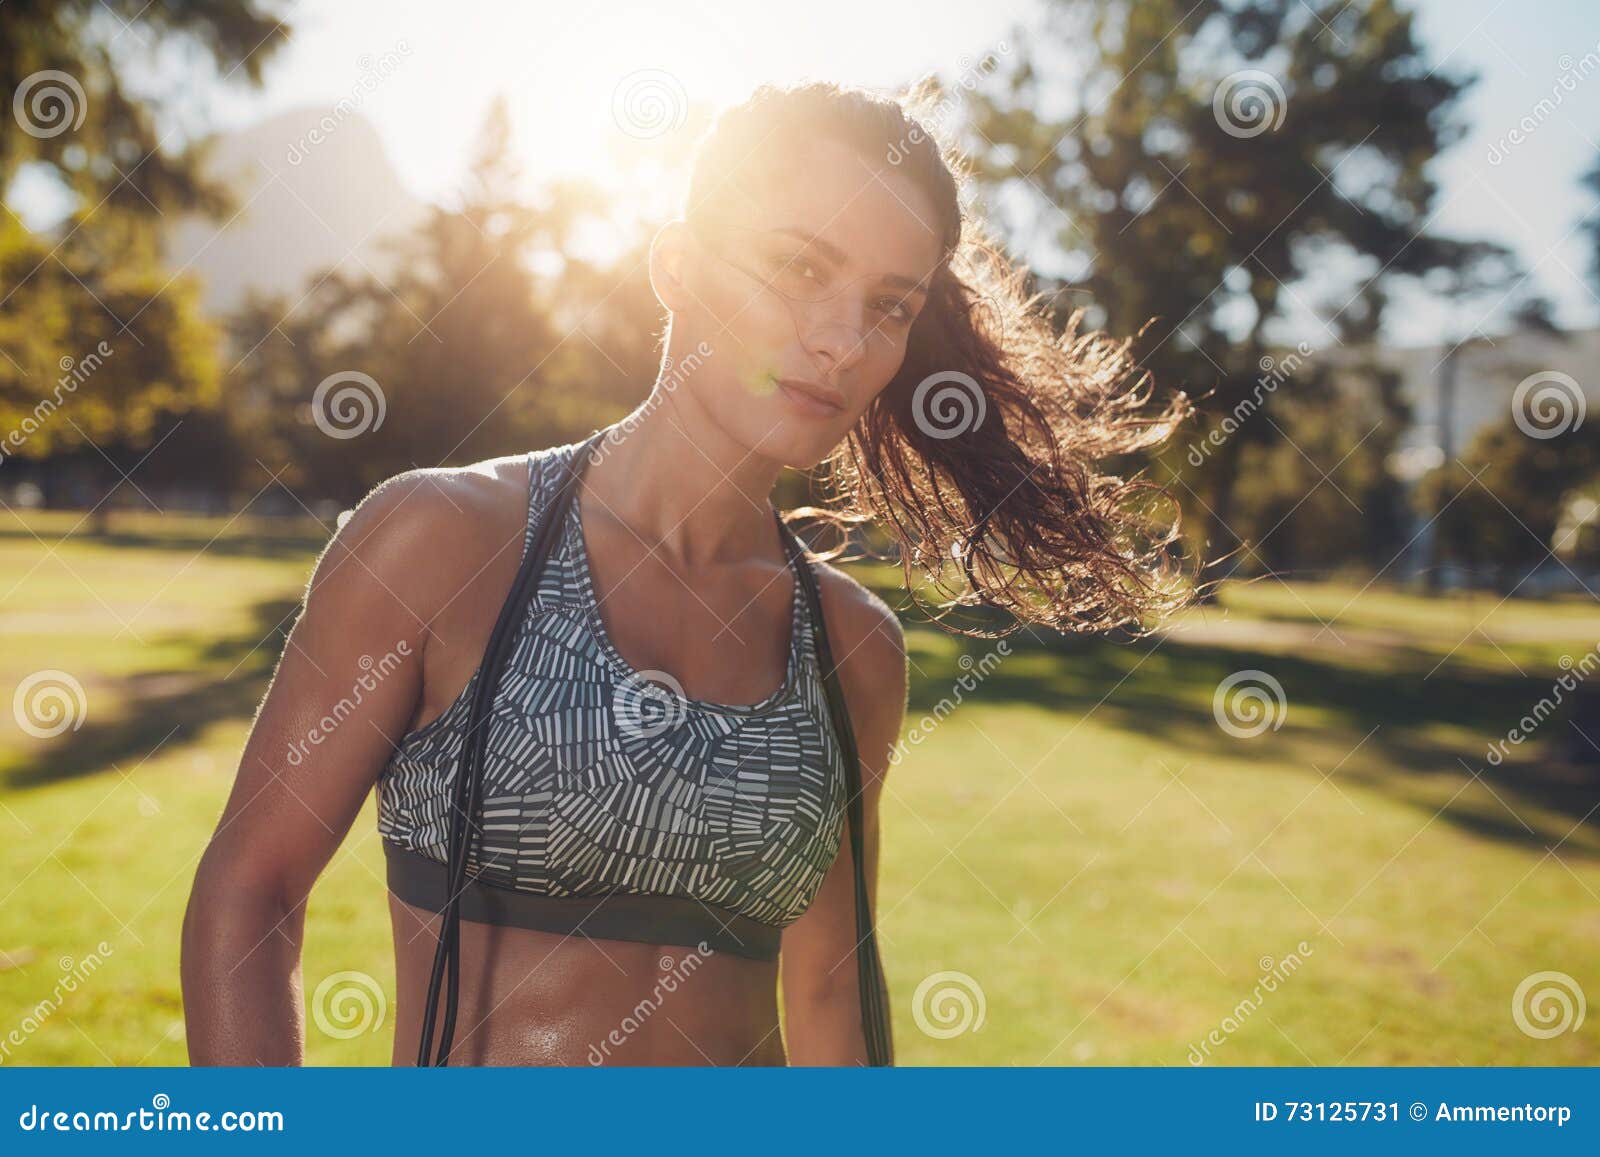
1217 536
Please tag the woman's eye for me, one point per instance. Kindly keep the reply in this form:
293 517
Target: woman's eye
796 269
897 310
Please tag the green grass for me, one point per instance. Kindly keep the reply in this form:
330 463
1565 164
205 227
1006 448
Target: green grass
1079 837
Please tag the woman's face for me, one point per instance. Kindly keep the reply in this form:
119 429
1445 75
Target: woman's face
804 289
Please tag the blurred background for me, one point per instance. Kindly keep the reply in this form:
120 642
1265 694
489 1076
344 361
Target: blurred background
256 257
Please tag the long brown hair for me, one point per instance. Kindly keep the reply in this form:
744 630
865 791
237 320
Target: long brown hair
991 452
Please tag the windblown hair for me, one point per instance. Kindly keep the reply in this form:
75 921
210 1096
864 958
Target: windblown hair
991 451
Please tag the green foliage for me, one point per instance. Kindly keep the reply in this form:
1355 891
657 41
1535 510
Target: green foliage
100 344
473 353
1497 508
1321 496
98 135
1212 159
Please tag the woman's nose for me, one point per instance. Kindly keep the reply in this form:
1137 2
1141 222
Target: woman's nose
839 335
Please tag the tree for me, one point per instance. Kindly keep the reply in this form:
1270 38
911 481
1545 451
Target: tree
99 341
1217 165
63 66
1591 226
1502 503
488 337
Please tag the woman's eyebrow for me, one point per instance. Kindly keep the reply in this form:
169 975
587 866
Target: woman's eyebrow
836 255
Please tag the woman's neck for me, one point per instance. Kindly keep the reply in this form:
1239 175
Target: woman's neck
681 484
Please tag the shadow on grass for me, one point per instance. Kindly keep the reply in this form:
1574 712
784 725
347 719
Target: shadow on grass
167 709
1379 725
251 537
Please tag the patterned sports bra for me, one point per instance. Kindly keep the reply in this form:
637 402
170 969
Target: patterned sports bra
610 805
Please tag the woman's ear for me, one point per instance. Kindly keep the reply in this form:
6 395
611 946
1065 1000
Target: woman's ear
671 254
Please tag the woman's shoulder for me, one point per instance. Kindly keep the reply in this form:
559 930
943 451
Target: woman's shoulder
447 503
864 633
481 496
438 527
868 643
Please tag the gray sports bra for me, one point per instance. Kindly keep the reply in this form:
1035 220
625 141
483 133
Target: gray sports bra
600 782
572 794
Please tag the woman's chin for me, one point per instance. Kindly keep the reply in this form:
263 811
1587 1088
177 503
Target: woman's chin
799 445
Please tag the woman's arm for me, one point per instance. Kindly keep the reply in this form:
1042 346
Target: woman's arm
344 690
821 1001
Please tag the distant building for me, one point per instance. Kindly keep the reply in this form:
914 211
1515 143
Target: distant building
1451 405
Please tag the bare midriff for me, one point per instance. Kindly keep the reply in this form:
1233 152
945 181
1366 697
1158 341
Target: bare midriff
541 998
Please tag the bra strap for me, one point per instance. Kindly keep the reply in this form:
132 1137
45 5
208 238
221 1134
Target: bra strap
466 801
466 796
871 986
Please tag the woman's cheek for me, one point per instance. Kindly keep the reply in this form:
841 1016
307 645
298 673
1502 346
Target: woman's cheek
757 366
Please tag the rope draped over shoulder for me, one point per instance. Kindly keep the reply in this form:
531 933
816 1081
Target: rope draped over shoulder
465 803
467 789
870 983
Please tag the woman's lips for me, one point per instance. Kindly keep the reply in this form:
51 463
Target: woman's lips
798 396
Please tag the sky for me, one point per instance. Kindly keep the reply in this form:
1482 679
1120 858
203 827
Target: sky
586 80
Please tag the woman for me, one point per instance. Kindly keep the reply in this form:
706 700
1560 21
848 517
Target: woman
662 832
